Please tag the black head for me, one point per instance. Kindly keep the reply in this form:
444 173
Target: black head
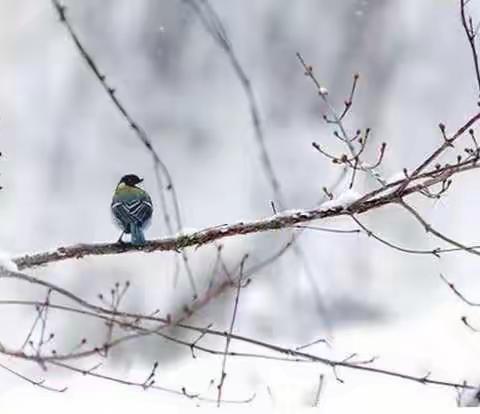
131 180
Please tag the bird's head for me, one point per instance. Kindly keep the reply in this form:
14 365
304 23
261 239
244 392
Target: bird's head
130 180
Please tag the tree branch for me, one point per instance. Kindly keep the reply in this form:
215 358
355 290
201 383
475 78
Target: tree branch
276 222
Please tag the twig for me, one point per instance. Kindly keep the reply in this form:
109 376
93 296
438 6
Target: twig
447 143
40 383
349 101
181 392
230 331
468 325
370 233
317 341
327 230
452 287
337 120
200 337
150 380
319 390
214 26
429 229
471 35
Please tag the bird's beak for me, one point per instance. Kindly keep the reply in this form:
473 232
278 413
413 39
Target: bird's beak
141 180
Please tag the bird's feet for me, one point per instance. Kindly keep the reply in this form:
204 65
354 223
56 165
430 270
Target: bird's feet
120 239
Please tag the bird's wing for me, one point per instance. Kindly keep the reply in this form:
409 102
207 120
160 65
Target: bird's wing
136 211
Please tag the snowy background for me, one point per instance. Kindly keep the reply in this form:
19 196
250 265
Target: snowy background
65 147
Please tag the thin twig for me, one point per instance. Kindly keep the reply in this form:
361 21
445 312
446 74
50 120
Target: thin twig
317 341
181 392
370 233
214 26
471 35
452 287
40 383
429 229
230 331
319 390
447 143
337 120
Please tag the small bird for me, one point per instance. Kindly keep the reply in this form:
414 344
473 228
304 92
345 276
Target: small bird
132 208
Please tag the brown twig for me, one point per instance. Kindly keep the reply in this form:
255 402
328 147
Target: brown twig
337 120
348 103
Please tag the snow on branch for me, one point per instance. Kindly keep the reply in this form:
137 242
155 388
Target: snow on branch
387 194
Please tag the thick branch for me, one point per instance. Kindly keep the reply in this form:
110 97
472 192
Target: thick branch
211 234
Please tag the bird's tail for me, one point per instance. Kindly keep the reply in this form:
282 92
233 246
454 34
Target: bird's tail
137 234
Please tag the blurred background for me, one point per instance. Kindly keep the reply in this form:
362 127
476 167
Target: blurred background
65 147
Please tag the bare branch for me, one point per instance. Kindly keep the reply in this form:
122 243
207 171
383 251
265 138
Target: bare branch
40 383
429 229
229 335
319 390
366 203
181 392
214 26
452 287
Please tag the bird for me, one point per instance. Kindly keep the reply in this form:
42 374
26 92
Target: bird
132 208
